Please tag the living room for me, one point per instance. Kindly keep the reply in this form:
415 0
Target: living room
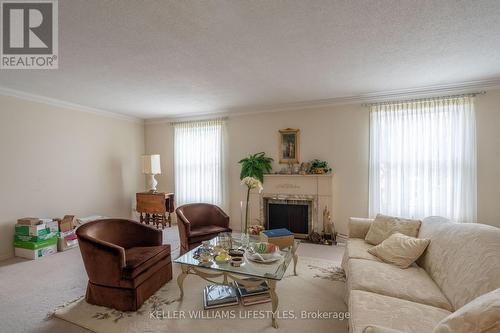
323 165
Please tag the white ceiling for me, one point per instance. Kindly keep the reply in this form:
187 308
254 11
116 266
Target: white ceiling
177 58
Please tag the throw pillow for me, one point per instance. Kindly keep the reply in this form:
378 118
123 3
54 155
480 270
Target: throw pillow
482 315
400 250
384 226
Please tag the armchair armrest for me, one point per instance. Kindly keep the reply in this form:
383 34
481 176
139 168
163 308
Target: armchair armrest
184 222
103 261
223 218
358 227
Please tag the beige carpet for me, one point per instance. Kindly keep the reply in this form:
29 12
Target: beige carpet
315 290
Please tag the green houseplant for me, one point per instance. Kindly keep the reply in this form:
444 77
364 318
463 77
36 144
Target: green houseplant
319 167
253 168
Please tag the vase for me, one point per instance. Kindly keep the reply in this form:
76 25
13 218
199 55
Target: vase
245 240
244 215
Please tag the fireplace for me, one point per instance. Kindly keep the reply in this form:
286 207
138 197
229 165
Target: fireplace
294 214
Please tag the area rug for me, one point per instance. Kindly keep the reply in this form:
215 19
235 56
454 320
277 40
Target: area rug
312 301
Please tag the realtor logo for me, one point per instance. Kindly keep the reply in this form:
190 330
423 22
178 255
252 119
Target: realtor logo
29 34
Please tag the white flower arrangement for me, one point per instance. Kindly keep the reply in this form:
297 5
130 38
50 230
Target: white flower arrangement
252 183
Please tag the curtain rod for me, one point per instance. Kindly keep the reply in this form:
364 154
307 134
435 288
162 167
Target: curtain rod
473 94
173 123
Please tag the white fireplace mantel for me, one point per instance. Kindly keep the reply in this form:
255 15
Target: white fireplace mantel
316 187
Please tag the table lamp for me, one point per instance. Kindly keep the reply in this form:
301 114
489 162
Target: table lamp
151 167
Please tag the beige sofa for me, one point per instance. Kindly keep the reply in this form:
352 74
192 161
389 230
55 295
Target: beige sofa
461 263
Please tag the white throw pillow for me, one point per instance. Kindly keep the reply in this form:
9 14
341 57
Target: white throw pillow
384 226
400 250
482 315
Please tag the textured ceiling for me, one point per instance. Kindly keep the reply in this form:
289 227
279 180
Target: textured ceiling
175 58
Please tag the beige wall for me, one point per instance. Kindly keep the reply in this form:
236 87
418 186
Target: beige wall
56 161
340 135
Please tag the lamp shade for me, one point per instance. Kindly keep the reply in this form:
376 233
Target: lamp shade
151 164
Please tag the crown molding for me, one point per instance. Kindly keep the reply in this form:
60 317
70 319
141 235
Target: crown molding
400 94
4 91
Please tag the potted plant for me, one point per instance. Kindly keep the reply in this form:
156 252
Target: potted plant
319 167
253 168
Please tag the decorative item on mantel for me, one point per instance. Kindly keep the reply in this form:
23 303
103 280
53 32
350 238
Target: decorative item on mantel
304 167
318 167
151 166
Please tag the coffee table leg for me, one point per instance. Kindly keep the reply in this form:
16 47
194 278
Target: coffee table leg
274 300
180 280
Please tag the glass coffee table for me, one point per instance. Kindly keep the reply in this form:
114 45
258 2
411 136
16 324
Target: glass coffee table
269 272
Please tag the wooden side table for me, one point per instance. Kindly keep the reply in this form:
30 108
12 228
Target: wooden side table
153 207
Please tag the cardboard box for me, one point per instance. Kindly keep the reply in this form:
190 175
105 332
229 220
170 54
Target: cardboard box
32 230
35 245
52 225
67 223
29 221
35 254
27 238
282 238
66 243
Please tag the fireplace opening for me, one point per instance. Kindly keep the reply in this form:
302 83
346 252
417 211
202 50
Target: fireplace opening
294 215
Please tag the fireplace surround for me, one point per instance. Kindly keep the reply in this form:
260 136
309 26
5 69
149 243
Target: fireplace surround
313 191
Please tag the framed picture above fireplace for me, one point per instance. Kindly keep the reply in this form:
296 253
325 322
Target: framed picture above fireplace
289 145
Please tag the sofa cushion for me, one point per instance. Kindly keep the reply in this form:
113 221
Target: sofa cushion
368 308
358 227
357 249
411 284
400 250
162 264
383 226
139 259
482 315
462 258
380 329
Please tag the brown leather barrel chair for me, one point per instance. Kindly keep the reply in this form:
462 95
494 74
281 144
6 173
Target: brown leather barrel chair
125 261
198 222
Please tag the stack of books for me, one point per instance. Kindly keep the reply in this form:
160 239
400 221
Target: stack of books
216 296
35 238
282 238
253 295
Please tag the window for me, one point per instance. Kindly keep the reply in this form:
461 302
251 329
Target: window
423 159
199 162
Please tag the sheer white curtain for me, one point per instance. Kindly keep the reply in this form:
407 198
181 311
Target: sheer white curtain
423 159
199 162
